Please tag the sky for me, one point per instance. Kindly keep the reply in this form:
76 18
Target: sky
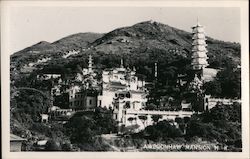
30 25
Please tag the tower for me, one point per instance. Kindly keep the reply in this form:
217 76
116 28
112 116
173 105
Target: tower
199 51
199 62
90 66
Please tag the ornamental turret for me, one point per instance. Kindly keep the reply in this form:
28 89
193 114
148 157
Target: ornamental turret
199 51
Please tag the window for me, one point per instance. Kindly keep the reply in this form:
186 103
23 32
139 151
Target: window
128 95
127 105
121 95
90 102
100 102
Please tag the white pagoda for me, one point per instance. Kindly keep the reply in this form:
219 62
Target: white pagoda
90 66
199 56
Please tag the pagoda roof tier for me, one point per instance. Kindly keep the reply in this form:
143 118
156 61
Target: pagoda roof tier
200 61
199 49
198 30
199 42
199 36
199 56
198 67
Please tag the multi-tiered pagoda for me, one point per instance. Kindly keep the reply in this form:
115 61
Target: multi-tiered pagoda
90 66
199 56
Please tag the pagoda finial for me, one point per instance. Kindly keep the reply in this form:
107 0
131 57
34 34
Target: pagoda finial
197 22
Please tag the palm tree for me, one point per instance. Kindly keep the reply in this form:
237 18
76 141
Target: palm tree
156 118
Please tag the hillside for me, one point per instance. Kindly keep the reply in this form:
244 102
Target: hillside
56 49
140 45
148 39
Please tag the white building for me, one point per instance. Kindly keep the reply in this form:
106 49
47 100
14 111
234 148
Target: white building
120 79
127 111
210 102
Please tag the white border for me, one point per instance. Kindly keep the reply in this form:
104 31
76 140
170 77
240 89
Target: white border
6 5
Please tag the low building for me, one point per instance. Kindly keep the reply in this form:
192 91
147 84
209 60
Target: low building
61 100
16 143
59 114
82 99
44 118
210 102
209 74
129 111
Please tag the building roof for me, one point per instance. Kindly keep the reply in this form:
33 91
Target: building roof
16 138
209 73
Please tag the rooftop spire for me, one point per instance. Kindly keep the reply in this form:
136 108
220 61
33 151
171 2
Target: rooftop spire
156 69
121 66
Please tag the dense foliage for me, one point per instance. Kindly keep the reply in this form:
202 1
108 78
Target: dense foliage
227 82
221 124
83 129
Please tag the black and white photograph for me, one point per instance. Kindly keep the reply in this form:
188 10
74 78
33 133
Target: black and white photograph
126 78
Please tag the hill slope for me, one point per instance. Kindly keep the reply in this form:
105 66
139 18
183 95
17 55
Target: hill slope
142 41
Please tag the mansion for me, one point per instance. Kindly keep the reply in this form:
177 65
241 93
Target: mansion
123 83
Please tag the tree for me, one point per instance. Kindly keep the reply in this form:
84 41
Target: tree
151 106
213 88
196 91
83 128
66 147
162 130
52 145
156 118
186 119
178 120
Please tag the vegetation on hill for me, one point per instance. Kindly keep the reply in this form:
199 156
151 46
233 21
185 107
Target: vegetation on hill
227 83
83 129
221 124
